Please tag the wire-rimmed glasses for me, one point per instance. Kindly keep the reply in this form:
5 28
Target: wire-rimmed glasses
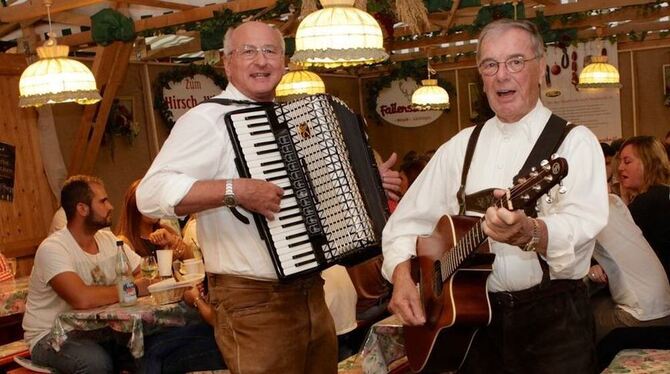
513 64
250 52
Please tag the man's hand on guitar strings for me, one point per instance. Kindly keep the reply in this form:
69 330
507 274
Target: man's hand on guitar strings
390 178
258 196
511 227
405 301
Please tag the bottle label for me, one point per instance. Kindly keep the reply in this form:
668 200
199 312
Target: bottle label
127 293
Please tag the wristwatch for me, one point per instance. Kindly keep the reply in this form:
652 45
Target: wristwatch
534 239
229 199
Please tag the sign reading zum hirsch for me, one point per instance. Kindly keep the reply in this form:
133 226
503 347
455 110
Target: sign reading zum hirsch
185 94
394 105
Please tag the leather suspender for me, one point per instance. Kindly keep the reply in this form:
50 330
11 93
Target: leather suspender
548 142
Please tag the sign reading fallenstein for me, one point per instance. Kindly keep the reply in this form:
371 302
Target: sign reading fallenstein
394 105
185 94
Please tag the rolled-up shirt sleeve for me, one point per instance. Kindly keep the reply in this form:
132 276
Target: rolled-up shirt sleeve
417 215
192 152
575 218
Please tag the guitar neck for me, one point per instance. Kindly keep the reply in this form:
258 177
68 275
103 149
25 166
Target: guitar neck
452 260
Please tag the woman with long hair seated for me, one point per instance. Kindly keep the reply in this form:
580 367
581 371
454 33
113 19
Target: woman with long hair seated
644 175
145 234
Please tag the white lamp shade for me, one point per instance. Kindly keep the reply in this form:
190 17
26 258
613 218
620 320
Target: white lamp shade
339 36
299 82
599 74
54 78
430 96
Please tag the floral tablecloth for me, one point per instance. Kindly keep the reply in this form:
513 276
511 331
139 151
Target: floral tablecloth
382 351
141 319
13 295
640 361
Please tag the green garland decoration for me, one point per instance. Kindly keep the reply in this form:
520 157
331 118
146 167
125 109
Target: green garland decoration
176 75
415 69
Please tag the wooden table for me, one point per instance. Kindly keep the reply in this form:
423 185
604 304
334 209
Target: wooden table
141 319
13 295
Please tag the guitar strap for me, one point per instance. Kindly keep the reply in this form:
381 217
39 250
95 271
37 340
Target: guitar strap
547 144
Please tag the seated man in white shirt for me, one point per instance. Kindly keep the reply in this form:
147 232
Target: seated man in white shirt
75 269
639 288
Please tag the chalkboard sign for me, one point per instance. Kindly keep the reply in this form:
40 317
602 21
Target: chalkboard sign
7 167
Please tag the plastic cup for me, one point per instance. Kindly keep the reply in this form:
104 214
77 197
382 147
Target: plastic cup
193 266
164 257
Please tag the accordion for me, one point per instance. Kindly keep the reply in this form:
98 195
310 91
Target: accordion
334 207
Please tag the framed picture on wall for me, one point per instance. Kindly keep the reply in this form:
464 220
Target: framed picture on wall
473 99
666 79
121 120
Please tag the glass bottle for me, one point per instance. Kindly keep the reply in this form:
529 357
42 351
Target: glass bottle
125 285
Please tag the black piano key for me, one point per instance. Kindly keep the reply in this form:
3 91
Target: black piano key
287 208
260 132
295 235
291 224
268 163
302 255
305 262
262 144
276 178
270 171
298 243
297 214
274 150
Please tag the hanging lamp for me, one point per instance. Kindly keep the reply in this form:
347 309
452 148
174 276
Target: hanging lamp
297 83
338 35
430 96
55 78
599 73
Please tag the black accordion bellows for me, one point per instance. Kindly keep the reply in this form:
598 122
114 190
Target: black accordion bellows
334 207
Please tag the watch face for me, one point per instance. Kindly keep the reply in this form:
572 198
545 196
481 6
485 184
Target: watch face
229 201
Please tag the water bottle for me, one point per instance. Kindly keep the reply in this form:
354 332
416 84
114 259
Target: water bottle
125 285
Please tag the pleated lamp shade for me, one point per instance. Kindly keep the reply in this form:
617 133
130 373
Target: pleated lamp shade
430 96
55 78
338 35
599 74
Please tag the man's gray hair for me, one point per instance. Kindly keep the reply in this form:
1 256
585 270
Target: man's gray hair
505 24
227 49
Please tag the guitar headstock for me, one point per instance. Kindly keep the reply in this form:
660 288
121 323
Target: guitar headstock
535 184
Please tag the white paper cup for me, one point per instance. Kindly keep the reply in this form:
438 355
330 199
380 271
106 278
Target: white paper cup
164 257
193 266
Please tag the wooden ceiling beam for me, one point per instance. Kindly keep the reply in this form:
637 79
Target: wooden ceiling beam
36 9
71 18
175 19
8 28
188 47
583 6
161 4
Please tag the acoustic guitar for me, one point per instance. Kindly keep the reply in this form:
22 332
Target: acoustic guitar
451 267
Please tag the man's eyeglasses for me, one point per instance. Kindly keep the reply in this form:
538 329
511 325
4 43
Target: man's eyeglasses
249 52
514 65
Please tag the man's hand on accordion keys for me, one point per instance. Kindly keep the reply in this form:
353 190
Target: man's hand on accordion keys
258 196
390 177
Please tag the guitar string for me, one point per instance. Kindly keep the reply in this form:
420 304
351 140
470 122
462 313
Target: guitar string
451 260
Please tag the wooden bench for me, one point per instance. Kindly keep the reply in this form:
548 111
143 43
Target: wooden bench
14 349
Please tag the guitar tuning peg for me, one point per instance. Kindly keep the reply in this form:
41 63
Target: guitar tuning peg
525 197
561 188
548 199
537 187
521 180
554 156
544 163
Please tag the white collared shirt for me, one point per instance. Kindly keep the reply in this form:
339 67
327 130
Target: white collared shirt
199 148
573 219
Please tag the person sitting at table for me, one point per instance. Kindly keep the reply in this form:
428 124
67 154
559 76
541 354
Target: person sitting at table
145 234
639 289
74 268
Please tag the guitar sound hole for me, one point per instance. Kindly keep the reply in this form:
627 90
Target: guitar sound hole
437 278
